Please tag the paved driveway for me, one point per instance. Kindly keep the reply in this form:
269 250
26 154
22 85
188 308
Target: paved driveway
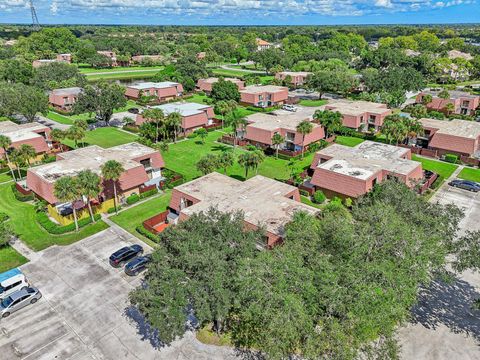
84 311
444 326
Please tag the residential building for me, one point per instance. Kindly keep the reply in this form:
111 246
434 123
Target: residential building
262 44
142 165
33 134
42 62
297 78
206 85
162 91
463 102
360 115
201 55
194 115
455 54
64 58
264 202
344 171
261 127
141 58
264 95
64 98
461 137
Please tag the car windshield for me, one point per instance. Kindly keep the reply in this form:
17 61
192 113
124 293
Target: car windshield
7 301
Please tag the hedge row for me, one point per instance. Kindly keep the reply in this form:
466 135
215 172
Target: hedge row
141 230
53 228
21 197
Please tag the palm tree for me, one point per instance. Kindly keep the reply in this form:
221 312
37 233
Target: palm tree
89 184
222 108
225 160
237 123
277 140
27 152
58 135
5 143
250 160
330 120
444 94
174 120
449 108
155 116
112 170
427 99
244 161
66 189
75 133
304 128
18 160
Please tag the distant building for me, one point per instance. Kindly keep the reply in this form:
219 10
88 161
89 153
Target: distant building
64 99
463 102
201 55
298 78
109 54
33 134
163 91
64 58
143 167
340 170
261 128
360 115
264 95
461 137
262 44
141 58
206 85
194 115
42 62
265 202
455 54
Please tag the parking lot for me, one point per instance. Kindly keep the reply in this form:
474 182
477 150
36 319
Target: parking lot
444 326
84 312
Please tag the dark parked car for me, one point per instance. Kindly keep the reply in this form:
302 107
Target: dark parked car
133 110
120 257
136 266
466 185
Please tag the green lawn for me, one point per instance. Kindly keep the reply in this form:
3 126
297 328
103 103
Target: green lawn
5 177
312 102
348 140
10 258
183 156
443 169
307 201
228 72
470 174
131 218
23 219
197 98
90 70
123 75
105 137
66 120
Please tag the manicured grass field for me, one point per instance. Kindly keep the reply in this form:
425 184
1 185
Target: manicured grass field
443 169
23 219
313 102
470 174
66 120
10 258
348 140
105 137
131 218
123 75
228 72
183 156
87 71
197 98
5 177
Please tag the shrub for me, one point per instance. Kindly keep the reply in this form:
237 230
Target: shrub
3 217
148 193
141 230
112 209
251 147
304 193
132 199
192 135
201 93
21 197
52 228
319 197
48 159
348 202
451 158
132 129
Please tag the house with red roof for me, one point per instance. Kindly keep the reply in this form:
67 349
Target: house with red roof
206 85
463 102
264 95
64 99
162 91
33 134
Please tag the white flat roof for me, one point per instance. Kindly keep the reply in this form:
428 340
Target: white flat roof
212 80
262 200
282 118
350 107
263 88
185 109
67 91
149 85
456 127
21 132
366 159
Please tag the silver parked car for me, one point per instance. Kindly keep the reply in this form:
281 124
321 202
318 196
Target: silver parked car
18 300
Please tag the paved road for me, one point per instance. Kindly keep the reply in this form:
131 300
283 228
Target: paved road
84 312
444 326
50 123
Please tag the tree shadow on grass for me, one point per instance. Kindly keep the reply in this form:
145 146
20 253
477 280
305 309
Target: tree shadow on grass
221 148
449 304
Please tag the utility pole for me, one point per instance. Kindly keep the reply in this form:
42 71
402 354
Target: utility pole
35 23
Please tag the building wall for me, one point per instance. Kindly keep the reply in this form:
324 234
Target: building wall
177 195
40 187
258 135
277 98
342 184
194 121
161 94
59 100
456 144
439 104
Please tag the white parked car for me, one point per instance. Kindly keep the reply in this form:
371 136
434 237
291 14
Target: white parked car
289 107
11 281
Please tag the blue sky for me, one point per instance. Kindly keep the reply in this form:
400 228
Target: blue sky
242 12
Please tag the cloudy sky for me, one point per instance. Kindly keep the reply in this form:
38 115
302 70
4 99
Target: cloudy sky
248 12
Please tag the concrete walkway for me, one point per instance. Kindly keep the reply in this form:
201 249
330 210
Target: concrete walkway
51 123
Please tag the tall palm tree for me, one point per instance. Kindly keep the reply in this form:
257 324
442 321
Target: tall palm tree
174 120
155 116
89 184
277 140
66 189
58 135
427 99
304 128
18 160
236 123
449 108
112 170
27 152
5 143
75 133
